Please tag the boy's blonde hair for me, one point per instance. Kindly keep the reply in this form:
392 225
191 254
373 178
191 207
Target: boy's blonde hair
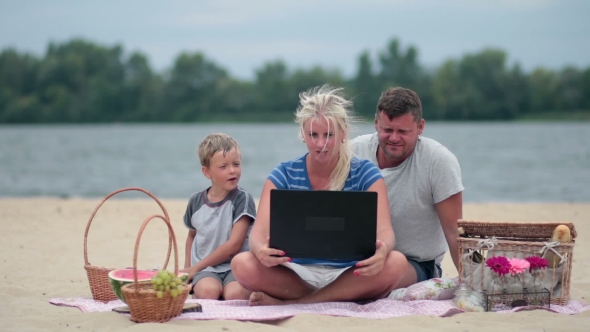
330 103
214 143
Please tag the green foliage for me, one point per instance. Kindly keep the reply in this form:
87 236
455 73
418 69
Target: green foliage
366 87
83 82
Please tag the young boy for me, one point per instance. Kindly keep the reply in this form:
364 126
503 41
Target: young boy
219 220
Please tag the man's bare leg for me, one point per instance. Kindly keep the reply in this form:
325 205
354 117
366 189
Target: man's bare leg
278 281
348 287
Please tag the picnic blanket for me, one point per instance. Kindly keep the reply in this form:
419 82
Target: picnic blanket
240 310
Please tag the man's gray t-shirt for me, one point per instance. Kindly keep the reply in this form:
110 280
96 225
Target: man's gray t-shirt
214 222
429 176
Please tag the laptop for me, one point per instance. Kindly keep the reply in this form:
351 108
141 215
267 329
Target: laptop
312 226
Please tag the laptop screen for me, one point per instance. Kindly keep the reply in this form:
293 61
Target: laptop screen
323 225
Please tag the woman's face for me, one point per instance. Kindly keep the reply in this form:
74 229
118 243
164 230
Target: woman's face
323 140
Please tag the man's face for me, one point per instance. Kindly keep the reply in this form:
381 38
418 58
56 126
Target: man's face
398 136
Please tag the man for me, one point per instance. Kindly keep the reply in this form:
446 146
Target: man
423 181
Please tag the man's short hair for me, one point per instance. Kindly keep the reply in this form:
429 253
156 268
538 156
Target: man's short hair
399 101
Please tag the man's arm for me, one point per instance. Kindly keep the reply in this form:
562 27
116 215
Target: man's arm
449 211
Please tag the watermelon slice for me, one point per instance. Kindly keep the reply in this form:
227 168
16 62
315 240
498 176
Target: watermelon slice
122 277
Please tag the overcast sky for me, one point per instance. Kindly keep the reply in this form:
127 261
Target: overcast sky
241 35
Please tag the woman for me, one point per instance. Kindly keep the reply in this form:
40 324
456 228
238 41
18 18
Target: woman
324 118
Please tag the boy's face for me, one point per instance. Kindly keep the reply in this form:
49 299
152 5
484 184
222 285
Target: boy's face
224 171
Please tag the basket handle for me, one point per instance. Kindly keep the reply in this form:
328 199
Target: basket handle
170 235
113 194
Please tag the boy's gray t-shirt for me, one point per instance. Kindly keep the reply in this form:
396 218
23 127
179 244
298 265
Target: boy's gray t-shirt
214 222
429 176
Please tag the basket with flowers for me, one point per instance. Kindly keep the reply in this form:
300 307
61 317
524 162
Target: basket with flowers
531 261
516 282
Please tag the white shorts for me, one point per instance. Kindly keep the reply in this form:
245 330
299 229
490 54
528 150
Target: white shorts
316 275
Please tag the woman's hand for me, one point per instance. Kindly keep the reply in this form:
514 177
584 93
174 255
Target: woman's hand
270 257
374 264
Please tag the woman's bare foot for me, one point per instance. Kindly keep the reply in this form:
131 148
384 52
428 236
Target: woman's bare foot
260 298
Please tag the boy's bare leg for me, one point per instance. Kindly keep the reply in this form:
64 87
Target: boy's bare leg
234 291
348 287
207 288
277 281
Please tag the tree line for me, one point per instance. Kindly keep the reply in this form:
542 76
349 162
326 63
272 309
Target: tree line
83 82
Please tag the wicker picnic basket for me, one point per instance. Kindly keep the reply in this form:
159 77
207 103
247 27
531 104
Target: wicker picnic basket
516 240
141 298
98 276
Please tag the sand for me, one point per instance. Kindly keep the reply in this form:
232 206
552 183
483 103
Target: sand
42 257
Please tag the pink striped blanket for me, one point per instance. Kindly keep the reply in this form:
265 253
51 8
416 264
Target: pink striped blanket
239 310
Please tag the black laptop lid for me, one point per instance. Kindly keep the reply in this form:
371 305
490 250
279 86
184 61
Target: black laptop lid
324 225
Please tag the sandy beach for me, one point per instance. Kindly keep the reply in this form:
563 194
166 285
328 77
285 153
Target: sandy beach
42 258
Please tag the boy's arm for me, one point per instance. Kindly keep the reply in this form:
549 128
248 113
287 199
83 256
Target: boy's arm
192 232
188 248
226 251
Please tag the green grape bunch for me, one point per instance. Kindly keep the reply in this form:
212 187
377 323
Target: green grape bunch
166 281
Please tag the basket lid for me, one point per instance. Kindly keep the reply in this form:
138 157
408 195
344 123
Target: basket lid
524 230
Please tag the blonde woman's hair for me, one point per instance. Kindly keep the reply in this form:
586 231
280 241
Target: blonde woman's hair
213 143
330 103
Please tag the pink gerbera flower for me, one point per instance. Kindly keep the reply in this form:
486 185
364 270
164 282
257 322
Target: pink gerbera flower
518 266
499 264
536 262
